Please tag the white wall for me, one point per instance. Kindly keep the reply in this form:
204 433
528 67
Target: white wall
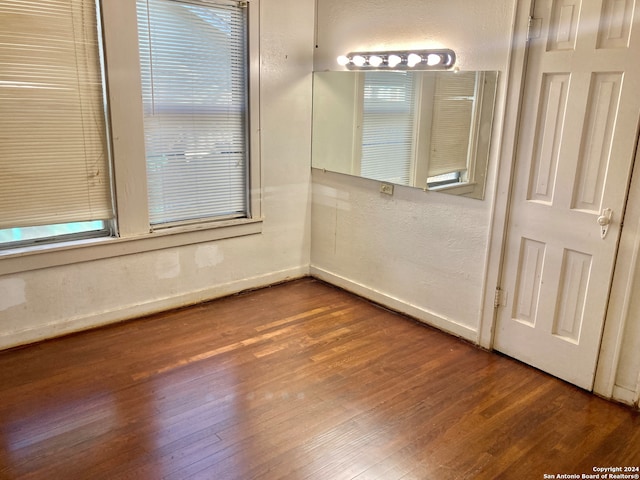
479 32
42 303
423 253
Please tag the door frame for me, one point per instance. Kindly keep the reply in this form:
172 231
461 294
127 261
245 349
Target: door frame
624 283
515 76
623 280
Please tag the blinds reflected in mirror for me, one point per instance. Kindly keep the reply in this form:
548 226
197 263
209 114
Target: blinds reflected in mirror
451 128
388 126
423 129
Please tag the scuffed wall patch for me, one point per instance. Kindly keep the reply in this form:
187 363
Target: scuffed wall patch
331 197
208 256
12 293
168 265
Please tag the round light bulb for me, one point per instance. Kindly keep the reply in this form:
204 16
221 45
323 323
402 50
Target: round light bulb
433 59
375 61
394 60
413 59
343 60
359 60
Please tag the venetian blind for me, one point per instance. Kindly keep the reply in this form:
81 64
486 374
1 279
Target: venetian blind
53 157
193 61
453 105
388 126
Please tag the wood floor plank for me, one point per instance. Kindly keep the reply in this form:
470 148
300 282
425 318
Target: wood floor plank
300 381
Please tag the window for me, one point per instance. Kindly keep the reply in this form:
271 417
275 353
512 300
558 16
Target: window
179 161
193 58
54 163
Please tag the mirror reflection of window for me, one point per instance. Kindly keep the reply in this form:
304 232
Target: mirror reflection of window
388 127
430 130
418 129
452 129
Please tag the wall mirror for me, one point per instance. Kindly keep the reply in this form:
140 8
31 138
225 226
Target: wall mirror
429 130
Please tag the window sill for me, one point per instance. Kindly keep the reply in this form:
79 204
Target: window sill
455 189
53 255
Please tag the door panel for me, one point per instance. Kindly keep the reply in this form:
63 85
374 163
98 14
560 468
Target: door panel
553 99
602 106
576 143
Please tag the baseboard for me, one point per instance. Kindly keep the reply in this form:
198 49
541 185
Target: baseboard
94 320
396 304
624 395
86 322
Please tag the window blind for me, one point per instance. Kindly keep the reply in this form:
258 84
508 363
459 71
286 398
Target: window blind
388 126
53 157
194 66
453 106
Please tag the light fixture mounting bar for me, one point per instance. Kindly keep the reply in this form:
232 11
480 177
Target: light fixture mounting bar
433 59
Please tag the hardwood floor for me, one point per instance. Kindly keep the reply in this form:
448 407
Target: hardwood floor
296 381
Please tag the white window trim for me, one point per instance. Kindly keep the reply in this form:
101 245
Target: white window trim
122 62
67 253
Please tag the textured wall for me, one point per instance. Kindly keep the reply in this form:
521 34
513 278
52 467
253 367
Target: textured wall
478 31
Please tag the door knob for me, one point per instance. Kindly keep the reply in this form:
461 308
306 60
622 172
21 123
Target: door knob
604 220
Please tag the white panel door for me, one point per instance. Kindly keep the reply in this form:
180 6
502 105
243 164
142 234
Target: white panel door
578 129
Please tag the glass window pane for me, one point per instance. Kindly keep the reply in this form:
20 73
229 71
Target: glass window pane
26 234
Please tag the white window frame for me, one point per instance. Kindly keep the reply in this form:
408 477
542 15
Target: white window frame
120 40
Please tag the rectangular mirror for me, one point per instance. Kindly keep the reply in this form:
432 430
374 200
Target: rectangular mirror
429 130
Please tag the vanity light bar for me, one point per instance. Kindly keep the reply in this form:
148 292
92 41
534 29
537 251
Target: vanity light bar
438 59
